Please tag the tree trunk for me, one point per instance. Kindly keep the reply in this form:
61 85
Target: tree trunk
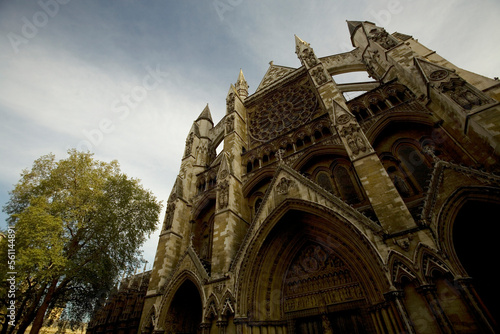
26 317
40 313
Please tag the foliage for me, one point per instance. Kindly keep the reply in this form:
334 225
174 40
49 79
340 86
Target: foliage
78 224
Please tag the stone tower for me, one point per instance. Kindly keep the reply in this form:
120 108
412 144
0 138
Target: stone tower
327 215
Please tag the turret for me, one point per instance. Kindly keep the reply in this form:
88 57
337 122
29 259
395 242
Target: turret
205 122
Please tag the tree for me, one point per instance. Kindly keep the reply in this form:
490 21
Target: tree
79 224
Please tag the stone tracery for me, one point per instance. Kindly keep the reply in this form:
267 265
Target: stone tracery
285 110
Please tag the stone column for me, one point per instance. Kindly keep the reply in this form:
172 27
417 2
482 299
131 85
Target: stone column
403 322
429 293
470 298
205 327
222 325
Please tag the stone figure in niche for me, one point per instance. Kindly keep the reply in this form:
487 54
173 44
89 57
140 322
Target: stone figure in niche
401 185
283 185
359 143
204 248
352 145
169 216
223 194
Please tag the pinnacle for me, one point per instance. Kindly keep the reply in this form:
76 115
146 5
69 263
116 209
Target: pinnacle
353 25
241 77
241 85
205 114
299 41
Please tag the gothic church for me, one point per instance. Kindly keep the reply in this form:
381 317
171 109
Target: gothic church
323 214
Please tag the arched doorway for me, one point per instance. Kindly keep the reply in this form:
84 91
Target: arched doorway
185 312
474 240
312 273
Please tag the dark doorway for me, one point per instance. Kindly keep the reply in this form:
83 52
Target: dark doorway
185 311
474 238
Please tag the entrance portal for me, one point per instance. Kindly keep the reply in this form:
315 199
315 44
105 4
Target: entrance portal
185 311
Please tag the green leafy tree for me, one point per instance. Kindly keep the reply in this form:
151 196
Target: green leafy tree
79 223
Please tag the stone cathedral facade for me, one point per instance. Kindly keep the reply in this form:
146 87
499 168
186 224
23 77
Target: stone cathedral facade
323 214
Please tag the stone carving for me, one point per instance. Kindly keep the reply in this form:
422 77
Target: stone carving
350 131
438 75
308 57
280 154
343 119
189 144
333 281
285 110
229 124
223 194
230 103
354 140
462 94
319 75
283 186
383 38
169 216
404 243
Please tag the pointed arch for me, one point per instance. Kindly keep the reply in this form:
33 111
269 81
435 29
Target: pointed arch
449 212
402 268
227 307
150 322
430 263
184 279
319 152
299 226
211 307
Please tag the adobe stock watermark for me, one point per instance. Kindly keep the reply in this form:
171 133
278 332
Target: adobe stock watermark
30 27
11 277
222 6
121 107
384 16
381 17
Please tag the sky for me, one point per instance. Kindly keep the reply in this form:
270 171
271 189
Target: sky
126 79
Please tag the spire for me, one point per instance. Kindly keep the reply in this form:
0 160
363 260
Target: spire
300 44
353 25
305 53
241 85
205 114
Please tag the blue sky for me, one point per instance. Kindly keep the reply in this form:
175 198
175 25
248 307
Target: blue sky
126 79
